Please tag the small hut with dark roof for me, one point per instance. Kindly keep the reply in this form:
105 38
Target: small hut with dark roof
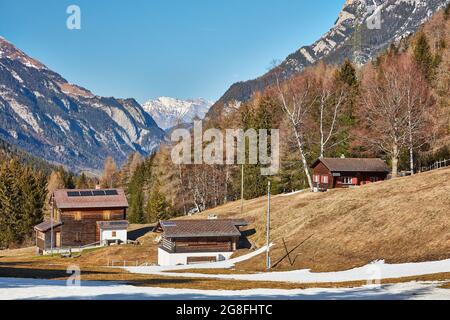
330 173
198 241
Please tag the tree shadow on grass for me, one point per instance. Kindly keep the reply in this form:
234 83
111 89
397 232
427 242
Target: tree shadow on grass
32 273
136 234
10 282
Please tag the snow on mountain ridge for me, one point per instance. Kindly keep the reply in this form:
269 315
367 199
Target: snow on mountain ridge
363 29
169 112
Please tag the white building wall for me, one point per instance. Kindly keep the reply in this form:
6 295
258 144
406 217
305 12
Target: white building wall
108 235
172 259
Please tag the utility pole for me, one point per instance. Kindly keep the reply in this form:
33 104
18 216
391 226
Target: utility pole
242 189
268 266
51 224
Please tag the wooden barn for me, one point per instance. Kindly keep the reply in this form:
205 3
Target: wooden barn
197 241
84 218
330 173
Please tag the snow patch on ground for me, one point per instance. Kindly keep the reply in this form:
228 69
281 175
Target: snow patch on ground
15 288
370 272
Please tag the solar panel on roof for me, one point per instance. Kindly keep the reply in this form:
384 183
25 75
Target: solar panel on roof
111 192
169 224
73 194
86 193
114 223
98 192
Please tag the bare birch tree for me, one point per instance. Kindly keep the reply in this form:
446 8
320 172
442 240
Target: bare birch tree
331 98
297 96
418 105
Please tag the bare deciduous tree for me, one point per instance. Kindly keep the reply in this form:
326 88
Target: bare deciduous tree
418 106
109 176
297 96
331 97
383 111
395 107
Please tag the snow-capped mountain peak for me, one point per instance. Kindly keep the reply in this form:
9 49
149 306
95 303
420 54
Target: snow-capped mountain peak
169 112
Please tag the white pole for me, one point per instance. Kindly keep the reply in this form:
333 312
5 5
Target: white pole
51 224
242 189
268 228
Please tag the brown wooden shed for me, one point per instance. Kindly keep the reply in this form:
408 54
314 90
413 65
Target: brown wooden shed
194 241
76 213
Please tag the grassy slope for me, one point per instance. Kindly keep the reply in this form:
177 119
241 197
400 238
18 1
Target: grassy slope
402 220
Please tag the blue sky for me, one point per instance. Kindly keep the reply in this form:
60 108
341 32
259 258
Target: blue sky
179 48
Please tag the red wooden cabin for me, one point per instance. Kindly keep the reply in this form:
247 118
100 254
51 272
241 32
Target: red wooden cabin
331 173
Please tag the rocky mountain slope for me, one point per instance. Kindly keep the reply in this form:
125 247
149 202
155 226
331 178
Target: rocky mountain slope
49 117
362 30
170 112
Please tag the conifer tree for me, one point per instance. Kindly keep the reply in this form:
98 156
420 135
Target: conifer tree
158 208
82 182
423 55
22 196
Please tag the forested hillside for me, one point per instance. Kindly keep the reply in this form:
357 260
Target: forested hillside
395 107
23 190
8 151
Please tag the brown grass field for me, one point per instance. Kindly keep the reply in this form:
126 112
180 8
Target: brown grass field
402 220
24 264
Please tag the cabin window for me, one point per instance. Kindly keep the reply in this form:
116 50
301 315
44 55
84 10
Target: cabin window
373 179
347 180
106 215
78 236
77 216
114 234
316 178
324 179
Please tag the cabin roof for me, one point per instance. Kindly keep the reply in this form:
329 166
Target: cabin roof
90 199
353 164
201 228
113 225
47 225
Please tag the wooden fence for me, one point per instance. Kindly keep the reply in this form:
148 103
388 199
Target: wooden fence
436 165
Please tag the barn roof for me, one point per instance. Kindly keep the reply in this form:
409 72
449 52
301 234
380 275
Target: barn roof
90 199
47 225
200 228
353 164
